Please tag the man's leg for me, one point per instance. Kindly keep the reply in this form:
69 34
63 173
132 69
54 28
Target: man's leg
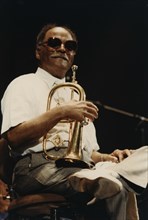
100 183
117 206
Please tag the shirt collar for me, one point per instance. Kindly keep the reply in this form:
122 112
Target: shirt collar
48 78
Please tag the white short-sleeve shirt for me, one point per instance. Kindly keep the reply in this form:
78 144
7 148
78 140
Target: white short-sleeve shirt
26 98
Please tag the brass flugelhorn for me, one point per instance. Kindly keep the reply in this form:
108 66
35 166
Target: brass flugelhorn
73 156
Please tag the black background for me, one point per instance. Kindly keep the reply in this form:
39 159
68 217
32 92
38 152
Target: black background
111 58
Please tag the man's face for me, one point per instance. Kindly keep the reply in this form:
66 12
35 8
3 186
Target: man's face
56 60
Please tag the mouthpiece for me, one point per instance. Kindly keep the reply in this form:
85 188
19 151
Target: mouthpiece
74 68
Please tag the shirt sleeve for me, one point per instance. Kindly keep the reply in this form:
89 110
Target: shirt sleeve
90 141
16 105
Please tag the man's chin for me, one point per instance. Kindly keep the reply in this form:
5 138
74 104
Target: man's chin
61 63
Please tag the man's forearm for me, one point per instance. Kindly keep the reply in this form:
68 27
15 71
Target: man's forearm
30 131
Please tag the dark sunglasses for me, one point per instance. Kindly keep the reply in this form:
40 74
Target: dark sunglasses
55 43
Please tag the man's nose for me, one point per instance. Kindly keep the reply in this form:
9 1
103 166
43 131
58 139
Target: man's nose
62 47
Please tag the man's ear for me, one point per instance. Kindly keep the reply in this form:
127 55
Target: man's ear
37 53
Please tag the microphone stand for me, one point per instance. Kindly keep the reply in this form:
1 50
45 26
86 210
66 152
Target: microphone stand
136 116
142 118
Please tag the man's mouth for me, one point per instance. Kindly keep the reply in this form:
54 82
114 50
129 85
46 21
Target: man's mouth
59 56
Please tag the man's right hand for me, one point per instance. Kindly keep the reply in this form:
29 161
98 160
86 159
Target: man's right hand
79 110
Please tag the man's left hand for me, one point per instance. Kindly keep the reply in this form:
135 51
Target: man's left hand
122 154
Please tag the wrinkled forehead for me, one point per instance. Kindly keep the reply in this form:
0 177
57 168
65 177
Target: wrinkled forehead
58 32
